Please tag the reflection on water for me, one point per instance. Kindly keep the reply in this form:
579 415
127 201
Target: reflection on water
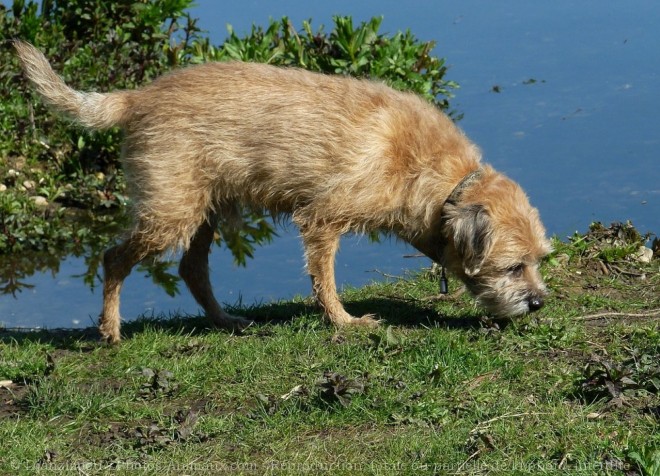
51 293
41 289
561 96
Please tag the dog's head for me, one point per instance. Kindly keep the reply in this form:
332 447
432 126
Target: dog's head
495 241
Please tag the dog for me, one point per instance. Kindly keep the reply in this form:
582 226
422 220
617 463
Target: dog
336 153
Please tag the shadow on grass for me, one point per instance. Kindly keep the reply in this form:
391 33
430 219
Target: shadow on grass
392 312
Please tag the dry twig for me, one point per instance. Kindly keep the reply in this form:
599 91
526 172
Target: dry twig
605 315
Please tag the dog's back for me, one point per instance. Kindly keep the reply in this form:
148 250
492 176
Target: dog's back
283 139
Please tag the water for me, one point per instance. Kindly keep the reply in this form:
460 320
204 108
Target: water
583 138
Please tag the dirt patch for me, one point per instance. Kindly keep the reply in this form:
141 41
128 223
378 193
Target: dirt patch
177 426
11 396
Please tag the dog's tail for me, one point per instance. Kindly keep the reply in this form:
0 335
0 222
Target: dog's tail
93 110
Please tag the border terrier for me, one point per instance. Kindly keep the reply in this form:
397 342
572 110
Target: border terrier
336 153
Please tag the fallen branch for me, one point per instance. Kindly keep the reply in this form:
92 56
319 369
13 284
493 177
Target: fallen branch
626 272
383 274
485 424
471 457
605 315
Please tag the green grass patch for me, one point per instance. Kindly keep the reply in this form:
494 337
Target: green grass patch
437 389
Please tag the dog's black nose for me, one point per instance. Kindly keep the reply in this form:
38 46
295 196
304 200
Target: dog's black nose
535 303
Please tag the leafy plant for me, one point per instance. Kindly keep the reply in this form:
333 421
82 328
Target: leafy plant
614 381
23 225
401 60
73 167
138 41
339 388
158 272
614 243
159 384
647 460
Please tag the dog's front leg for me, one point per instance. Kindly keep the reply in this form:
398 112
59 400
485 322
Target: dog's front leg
321 245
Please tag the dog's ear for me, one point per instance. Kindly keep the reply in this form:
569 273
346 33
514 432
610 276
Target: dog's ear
472 232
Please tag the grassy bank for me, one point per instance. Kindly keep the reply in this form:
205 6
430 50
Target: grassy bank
438 389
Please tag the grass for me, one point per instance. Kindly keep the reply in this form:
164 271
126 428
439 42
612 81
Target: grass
438 389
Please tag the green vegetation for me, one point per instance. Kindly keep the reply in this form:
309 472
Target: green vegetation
439 389
53 173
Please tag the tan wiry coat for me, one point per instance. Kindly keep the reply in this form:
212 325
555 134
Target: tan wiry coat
339 154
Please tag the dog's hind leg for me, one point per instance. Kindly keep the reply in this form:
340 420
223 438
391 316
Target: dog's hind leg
321 245
194 269
117 264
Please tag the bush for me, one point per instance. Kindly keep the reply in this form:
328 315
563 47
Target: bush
401 60
75 168
137 42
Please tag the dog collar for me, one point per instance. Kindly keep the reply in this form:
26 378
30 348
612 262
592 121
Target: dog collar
453 199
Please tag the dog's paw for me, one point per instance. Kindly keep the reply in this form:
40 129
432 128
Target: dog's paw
232 323
109 332
110 340
368 320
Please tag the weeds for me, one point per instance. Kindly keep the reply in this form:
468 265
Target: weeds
160 384
618 243
337 387
616 381
646 460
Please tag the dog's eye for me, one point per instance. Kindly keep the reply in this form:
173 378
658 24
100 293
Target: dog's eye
516 270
